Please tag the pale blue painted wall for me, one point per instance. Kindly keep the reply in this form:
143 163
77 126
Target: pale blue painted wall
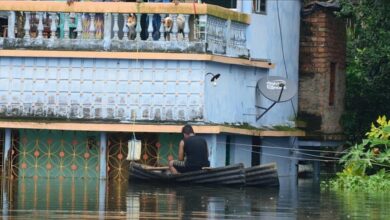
116 89
241 150
281 151
217 150
221 150
233 99
102 89
212 146
264 42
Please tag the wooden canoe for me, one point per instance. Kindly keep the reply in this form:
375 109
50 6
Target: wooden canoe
228 175
262 175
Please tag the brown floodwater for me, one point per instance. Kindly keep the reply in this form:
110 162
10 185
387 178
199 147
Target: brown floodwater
95 199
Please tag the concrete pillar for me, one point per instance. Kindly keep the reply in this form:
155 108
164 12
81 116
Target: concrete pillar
11 25
212 145
294 166
239 6
103 154
4 182
316 171
107 31
102 198
103 174
221 150
7 148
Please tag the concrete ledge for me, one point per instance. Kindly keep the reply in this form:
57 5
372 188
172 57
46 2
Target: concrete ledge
148 128
73 45
135 55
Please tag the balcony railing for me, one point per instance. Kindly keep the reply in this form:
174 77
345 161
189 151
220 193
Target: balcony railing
120 26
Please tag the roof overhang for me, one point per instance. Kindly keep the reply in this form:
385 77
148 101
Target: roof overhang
145 128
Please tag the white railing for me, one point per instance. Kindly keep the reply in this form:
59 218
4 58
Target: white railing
162 30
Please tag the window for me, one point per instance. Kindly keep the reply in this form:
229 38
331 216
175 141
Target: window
224 3
332 83
259 6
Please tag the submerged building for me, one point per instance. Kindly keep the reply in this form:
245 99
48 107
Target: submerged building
78 81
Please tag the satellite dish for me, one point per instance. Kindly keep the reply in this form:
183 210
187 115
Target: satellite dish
276 88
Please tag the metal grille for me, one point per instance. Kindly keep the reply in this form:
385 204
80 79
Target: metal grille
54 154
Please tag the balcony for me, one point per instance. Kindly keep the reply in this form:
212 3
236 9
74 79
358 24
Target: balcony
123 27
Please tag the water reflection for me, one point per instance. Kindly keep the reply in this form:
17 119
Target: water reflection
94 199
200 201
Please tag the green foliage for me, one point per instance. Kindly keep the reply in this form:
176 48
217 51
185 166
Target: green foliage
372 153
373 183
367 165
368 64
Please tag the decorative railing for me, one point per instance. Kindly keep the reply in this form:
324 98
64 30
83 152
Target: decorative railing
151 27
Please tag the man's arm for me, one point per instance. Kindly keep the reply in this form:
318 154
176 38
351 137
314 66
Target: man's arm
181 151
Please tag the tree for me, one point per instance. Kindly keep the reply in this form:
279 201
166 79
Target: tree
368 66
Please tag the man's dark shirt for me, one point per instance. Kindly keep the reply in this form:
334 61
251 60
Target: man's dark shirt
195 150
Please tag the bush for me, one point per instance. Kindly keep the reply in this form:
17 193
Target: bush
367 165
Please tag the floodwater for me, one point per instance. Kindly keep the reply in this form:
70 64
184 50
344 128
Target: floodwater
94 199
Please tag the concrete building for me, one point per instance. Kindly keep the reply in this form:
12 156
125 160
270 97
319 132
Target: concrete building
77 81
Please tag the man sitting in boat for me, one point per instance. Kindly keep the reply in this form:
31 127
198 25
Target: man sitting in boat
195 151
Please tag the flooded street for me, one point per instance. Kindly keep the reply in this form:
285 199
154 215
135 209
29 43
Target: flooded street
92 199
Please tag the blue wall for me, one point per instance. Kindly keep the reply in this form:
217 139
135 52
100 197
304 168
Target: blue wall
241 150
233 99
264 42
280 150
117 89
101 89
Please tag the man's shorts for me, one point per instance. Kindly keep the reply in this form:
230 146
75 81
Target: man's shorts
181 167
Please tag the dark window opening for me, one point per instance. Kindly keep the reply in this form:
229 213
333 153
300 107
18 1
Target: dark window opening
260 6
256 151
332 83
225 3
227 157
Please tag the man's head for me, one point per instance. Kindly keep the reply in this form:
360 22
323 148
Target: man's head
187 131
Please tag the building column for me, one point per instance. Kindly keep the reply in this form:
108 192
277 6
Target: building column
212 146
102 198
239 6
4 182
7 148
103 155
294 166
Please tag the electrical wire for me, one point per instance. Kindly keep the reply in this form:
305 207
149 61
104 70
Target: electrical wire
290 157
283 148
283 54
318 156
312 159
